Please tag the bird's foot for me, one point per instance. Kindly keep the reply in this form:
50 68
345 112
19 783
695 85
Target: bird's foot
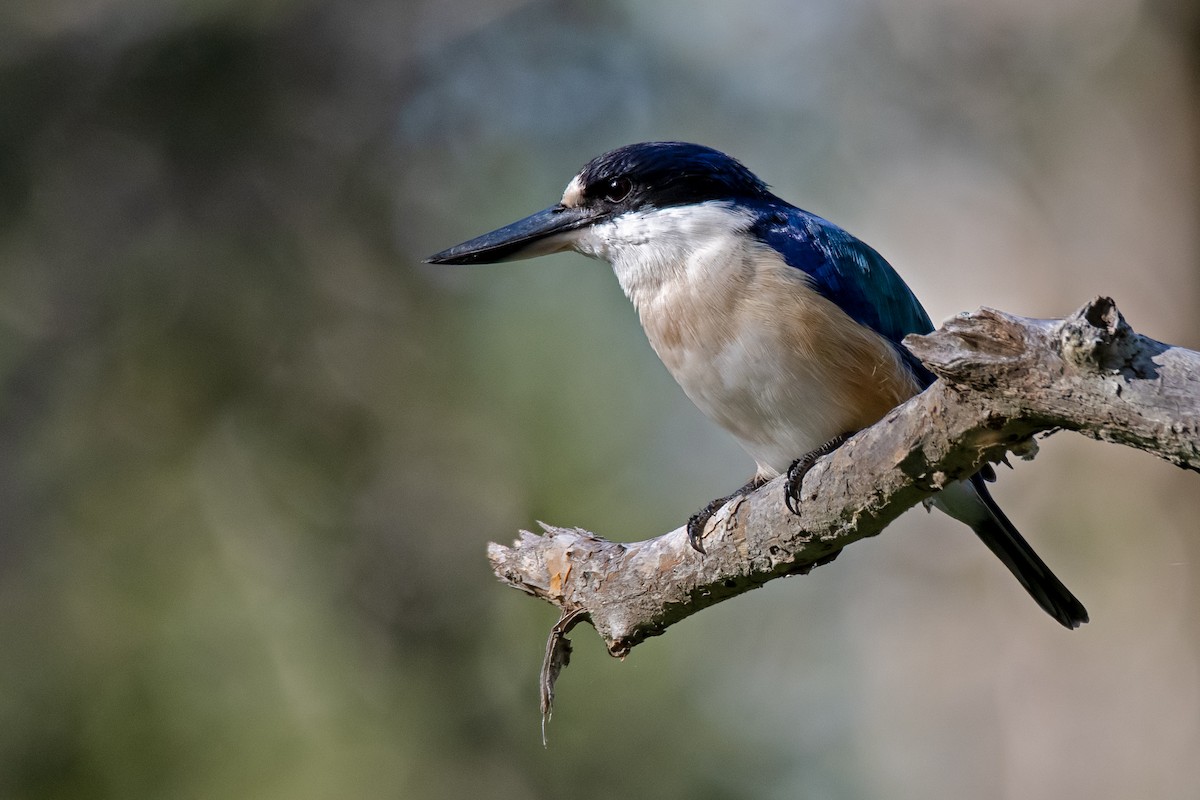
800 468
699 521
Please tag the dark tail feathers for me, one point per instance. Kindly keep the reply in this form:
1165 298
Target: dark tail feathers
1002 538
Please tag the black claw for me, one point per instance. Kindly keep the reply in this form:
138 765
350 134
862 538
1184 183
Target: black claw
699 521
695 528
800 468
795 479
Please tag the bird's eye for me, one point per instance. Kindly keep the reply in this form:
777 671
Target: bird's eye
617 189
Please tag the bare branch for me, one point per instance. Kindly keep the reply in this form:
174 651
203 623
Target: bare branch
1003 379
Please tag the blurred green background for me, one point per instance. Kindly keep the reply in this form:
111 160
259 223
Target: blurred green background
252 450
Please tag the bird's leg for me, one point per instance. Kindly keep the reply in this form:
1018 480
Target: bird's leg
801 466
698 521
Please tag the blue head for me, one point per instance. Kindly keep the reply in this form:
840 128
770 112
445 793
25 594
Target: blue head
634 179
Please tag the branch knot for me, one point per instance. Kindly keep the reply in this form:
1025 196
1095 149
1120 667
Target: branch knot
1096 337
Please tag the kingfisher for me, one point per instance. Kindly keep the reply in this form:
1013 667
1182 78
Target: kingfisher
782 328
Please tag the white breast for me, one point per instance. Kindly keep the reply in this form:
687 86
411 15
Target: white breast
752 344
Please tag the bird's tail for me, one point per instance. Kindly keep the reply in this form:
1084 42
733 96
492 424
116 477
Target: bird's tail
970 502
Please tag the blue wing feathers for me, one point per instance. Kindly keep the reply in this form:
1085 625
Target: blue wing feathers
850 273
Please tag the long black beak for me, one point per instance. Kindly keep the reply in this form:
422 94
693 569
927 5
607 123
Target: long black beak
536 235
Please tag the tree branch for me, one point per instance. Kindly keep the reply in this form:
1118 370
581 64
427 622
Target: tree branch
1002 379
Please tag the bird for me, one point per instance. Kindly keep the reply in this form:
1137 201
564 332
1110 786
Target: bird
783 328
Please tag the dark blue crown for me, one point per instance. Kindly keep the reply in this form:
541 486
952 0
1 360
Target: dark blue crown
662 174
